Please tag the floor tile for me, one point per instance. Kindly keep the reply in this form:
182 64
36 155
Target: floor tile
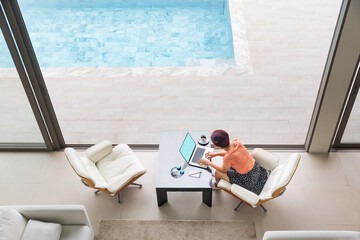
350 163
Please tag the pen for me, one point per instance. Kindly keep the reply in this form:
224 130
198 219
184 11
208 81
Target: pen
194 173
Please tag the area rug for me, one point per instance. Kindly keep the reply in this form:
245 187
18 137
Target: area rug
175 230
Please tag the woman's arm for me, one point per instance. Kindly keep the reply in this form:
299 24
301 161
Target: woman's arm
217 167
212 154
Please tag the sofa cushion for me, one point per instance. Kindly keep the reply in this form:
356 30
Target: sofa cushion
99 151
12 224
38 230
312 235
75 232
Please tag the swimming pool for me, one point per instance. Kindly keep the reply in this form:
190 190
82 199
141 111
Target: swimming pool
163 33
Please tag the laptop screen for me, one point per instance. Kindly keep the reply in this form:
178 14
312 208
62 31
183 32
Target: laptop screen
187 147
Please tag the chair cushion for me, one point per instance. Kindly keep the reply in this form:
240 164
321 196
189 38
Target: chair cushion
12 224
111 168
120 180
122 150
280 176
99 151
75 232
245 194
224 184
272 180
38 230
85 168
118 151
117 162
76 163
265 159
119 167
288 171
93 173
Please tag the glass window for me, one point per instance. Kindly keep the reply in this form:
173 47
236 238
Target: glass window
352 129
261 87
18 125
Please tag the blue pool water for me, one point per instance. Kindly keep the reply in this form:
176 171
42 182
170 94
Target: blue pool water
112 33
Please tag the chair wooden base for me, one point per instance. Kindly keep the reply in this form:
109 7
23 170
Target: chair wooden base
263 208
135 184
118 193
235 209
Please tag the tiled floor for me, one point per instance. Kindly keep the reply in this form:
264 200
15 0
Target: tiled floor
323 194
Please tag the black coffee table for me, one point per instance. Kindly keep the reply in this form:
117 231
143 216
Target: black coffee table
169 157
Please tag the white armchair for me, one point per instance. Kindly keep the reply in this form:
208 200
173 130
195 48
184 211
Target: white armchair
105 168
280 173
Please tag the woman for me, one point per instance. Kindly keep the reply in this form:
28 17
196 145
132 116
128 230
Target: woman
238 165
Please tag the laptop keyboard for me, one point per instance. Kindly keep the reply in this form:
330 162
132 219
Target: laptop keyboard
198 155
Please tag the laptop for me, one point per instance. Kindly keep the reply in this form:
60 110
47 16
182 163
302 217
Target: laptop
192 152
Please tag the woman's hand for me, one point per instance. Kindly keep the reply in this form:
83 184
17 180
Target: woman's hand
210 155
204 162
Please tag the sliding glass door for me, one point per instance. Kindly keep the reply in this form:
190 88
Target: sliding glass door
348 134
18 124
80 48
26 113
352 130
101 61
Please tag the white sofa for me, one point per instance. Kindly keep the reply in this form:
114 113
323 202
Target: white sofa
311 235
73 219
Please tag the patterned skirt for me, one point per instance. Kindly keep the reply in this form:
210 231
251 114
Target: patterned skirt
253 181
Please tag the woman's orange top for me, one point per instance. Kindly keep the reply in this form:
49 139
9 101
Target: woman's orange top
239 158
